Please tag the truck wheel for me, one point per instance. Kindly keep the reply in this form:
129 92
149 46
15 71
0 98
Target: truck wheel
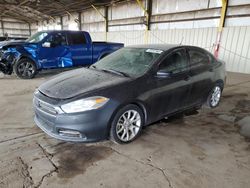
25 68
127 124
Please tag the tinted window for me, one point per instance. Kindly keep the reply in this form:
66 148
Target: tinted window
175 62
57 39
198 58
77 38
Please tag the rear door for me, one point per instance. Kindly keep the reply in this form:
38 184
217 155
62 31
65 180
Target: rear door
171 94
201 72
80 48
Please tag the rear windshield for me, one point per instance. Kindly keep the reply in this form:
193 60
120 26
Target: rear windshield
131 61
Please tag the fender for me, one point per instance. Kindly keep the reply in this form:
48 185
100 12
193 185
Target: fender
18 52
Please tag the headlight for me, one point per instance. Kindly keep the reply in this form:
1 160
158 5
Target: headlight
84 104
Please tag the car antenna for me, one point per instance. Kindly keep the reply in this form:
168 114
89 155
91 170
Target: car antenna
181 40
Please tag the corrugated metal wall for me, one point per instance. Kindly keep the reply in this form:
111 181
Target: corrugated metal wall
234 49
14 28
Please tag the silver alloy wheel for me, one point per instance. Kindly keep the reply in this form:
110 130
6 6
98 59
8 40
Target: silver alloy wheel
215 97
128 125
26 69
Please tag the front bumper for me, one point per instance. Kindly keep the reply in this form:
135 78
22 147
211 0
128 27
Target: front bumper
89 126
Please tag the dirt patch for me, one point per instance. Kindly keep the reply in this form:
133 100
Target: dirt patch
18 93
242 106
74 159
237 95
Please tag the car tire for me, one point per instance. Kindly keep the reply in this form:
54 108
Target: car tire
127 124
214 96
25 68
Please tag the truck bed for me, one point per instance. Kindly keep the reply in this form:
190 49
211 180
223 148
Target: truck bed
102 48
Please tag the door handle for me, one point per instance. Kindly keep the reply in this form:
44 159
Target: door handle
211 69
187 78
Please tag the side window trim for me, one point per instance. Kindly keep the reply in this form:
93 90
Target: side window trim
172 52
199 51
71 36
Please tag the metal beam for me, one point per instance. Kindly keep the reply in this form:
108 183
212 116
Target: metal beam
18 16
147 20
10 9
63 6
98 11
105 17
223 14
221 25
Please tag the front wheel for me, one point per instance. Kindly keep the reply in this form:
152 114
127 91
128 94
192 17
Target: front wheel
25 69
214 97
127 124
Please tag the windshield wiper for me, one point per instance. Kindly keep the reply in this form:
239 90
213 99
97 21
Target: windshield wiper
116 72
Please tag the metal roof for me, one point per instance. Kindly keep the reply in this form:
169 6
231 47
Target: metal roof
36 10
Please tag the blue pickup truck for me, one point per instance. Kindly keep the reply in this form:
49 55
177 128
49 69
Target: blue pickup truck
52 49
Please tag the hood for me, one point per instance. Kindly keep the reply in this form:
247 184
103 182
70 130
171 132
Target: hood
80 81
11 43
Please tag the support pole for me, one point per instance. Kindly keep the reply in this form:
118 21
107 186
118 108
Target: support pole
80 21
149 10
61 22
2 26
106 23
105 17
147 13
29 29
221 25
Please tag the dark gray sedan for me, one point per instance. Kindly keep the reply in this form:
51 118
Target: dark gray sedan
129 89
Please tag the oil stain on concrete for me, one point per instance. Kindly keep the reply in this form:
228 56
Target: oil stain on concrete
74 159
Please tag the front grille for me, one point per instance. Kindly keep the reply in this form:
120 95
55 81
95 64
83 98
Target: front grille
45 107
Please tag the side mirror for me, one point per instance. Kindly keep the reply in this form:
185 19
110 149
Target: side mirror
163 74
46 45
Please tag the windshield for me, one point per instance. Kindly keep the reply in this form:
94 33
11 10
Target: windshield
132 62
37 37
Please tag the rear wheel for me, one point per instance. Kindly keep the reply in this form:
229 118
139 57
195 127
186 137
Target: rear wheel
127 124
214 97
25 68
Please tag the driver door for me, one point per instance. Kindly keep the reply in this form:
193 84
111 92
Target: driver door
171 93
54 52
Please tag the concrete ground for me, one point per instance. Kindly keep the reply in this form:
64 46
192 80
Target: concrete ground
203 149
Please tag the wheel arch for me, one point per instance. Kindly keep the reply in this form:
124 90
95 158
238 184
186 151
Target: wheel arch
220 82
139 104
27 57
18 61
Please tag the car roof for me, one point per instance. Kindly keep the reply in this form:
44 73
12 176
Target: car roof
163 47
63 31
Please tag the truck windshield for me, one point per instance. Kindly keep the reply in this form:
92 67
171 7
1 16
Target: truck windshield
129 61
37 37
